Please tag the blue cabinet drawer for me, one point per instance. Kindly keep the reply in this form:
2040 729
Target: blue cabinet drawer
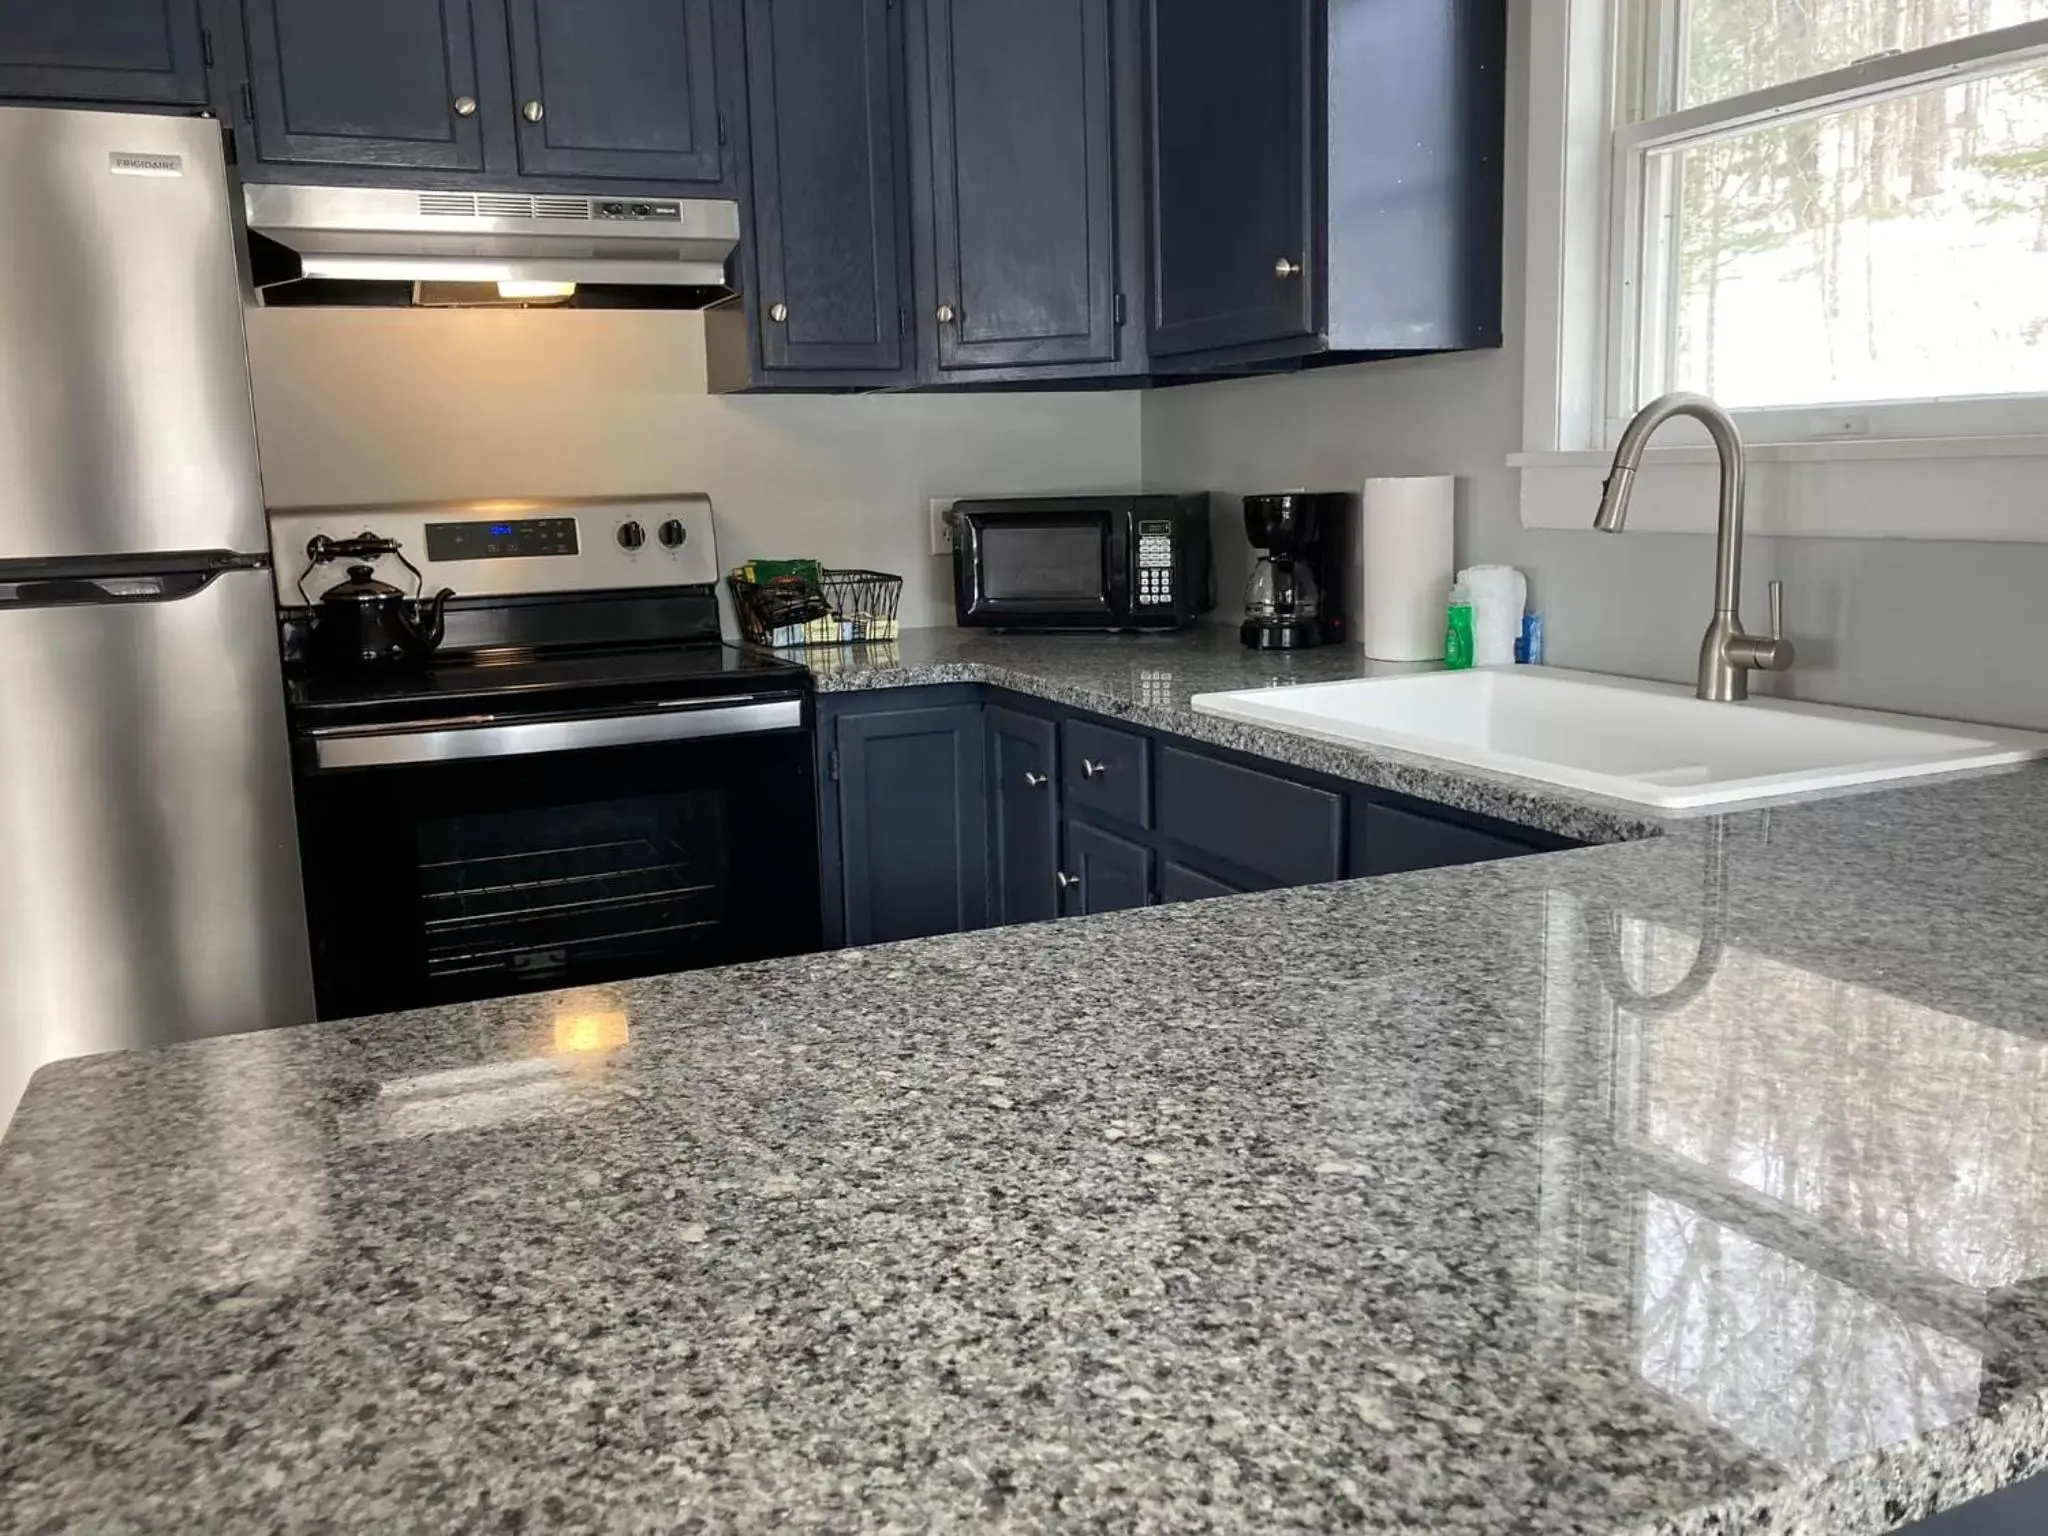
1106 771
1292 833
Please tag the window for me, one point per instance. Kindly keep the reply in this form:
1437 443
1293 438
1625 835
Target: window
1830 215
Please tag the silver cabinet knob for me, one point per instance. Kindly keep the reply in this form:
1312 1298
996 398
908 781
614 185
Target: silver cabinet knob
947 314
465 106
779 313
533 111
1090 769
1034 780
1283 268
1066 882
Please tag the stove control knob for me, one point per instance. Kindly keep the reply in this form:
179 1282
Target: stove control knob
672 533
631 535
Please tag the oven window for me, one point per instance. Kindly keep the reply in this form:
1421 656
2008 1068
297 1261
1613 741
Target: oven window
529 895
1042 563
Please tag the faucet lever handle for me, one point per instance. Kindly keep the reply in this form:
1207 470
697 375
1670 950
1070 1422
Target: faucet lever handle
1777 610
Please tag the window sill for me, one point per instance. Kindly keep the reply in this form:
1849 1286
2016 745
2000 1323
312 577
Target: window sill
1950 488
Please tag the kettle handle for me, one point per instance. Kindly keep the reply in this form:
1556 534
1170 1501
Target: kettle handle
435 613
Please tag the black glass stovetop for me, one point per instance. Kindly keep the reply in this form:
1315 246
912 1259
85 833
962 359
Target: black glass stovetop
512 681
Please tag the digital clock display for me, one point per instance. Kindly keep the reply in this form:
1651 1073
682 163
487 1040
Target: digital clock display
522 538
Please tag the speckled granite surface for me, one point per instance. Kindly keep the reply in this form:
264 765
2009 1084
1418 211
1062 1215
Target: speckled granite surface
1151 678
1693 1185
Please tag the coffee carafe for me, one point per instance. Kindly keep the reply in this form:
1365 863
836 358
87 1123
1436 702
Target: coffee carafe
1293 599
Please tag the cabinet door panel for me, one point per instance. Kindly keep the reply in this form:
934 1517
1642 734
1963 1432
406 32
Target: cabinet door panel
1233 135
1107 873
628 88
1397 840
1023 162
372 83
1260 822
913 823
826 204
1024 825
1177 882
111 50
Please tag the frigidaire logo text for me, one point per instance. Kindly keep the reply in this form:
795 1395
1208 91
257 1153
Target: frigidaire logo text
147 165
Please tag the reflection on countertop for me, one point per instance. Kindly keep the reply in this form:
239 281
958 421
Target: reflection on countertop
1651 1187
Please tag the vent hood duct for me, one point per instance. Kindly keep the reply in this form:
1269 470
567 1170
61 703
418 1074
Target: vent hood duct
378 235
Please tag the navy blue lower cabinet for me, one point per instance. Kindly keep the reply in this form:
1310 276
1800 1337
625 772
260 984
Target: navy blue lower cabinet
1024 817
1104 872
1178 882
911 793
2021 1510
1391 840
1289 832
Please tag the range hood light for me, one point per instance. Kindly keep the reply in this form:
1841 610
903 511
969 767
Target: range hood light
529 288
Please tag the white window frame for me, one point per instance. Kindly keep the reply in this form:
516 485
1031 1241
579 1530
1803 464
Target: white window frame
1599 72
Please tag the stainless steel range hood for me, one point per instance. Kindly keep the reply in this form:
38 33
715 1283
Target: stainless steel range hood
380 235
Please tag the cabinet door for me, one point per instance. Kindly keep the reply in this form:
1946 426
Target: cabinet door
1023 161
1178 882
389 83
1024 823
142 51
827 284
628 88
913 824
1233 139
1105 873
1397 840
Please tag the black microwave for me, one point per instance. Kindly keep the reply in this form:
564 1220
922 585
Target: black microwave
1082 562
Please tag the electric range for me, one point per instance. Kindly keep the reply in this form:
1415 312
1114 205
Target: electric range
581 783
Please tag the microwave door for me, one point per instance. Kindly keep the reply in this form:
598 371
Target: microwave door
1046 570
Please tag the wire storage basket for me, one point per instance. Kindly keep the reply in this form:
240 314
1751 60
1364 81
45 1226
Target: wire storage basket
816 607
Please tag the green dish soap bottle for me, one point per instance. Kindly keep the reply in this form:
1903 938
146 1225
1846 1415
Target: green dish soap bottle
1458 630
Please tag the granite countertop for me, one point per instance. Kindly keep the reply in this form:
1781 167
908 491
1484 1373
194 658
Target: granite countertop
1685 1185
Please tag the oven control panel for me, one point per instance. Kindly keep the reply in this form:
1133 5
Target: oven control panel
1155 564
496 539
498 548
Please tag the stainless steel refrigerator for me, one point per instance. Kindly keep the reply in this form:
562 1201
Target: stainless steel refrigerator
149 874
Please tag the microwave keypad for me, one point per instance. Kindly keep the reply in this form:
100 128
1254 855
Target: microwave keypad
1155 564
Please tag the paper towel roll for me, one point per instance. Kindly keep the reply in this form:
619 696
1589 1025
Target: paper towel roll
1405 567
1500 594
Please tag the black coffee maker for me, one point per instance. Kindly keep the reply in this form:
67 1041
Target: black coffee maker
1295 598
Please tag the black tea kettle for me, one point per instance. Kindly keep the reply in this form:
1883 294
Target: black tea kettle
366 622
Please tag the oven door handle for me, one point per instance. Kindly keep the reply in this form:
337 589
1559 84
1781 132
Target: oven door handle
704 721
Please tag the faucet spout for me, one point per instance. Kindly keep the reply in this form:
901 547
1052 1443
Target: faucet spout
1727 654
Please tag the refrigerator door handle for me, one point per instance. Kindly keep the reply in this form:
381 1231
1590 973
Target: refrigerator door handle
137 579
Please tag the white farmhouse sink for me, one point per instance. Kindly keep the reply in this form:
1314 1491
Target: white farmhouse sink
1652 743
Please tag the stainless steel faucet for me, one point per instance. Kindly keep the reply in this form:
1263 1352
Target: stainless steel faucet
1727 654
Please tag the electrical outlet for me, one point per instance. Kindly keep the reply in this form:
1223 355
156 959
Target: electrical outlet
942 525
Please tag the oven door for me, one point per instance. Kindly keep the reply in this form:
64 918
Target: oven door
1042 569
461 860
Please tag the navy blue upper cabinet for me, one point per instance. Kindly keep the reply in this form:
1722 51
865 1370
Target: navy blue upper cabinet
1325 178
1021 148
626 88
828 282
1233 135
382 83
140 51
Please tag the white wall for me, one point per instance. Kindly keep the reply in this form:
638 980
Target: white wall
374 405
1936 628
